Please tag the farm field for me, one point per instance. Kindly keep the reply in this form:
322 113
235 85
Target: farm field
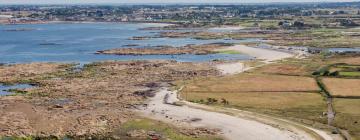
288 104
294 67
348 115
285 96
339 87
350 74
254 83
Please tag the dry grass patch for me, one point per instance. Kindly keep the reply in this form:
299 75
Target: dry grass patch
351 59
27 72
342 87
265 100
293 97
91 102
301 106
348 115
283 69
292 66
253 83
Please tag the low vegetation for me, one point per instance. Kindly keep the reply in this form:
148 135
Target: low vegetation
228 52
168 50
254 83
150 129
348 115
290 104
339 87
293 97
69 102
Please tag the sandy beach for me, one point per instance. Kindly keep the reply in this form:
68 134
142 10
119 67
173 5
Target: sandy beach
232 68
265 55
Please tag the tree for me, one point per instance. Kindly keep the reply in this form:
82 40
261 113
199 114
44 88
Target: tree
224 101
335 73
299 24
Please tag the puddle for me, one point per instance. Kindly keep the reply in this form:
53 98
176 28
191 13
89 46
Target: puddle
4 89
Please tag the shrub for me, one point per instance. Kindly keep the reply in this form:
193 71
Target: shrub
211 100
316 73
335 73
224 101
326 73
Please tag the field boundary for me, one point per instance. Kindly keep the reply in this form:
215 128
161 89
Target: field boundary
297 91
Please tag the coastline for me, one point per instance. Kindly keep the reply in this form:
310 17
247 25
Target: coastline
163 24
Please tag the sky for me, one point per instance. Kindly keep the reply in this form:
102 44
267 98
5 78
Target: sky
153 1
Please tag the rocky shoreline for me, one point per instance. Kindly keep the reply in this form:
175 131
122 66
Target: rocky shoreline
93 102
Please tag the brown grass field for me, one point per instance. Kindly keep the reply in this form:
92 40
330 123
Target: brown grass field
355 60
254 83
303 67
348 115
271 100
342 87
284 96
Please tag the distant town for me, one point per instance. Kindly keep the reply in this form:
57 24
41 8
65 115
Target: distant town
335 14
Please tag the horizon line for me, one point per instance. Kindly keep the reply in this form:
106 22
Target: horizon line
177 3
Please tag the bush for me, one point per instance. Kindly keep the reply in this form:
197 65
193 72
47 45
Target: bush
224 101
316 73
335 73
211 100
326 73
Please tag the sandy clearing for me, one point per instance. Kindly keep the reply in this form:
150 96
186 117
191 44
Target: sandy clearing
232 127
263 54
232 68
266 55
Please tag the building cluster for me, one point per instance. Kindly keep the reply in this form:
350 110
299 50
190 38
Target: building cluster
176 13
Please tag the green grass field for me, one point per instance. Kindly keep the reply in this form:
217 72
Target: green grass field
350 74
